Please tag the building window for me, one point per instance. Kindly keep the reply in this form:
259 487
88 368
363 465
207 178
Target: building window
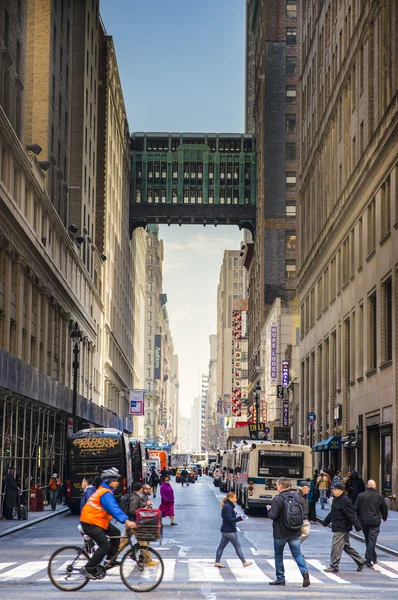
291 94
360 341
291 240
291 8
291 63
371 227
360 242
290 181
290 269
385 208
6 29
372 332
291 36
149 315
291 151
386 320
290 123
291 210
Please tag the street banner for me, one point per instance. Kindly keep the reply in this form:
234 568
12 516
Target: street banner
285 373
137 403
158 356
285 413
274 333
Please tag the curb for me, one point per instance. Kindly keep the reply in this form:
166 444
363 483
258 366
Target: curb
28 523
359 538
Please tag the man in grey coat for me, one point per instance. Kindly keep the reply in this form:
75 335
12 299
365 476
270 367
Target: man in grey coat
342 517
371 508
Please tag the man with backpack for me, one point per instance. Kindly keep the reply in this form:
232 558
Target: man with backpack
287 514
54 484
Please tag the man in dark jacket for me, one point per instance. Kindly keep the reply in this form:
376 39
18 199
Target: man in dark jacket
354 486
11 494
284 535
342 517
371 508
136 501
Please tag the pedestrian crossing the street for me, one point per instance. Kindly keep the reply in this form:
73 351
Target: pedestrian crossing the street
262 571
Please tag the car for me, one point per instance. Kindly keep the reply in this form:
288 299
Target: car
191 475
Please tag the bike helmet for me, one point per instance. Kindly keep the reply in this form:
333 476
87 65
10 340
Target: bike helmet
110 475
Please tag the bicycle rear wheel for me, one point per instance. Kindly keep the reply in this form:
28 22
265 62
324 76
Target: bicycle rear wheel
64 568
142 569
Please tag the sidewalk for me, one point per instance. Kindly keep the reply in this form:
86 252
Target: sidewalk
388 531
8 527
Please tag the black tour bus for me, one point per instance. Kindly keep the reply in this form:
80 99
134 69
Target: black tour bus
89 452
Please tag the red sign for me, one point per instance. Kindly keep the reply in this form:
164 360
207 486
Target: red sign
241 424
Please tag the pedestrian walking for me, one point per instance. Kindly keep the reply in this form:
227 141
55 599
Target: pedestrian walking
371 508
88 489
338 478
167 504
228 530
53 485
164 473
184 477
342 517
355 485
302 493
286 512
154 481
323 486
11 491
312 497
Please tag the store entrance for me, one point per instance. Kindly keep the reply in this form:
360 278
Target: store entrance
374 454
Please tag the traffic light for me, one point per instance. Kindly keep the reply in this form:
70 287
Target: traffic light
279 392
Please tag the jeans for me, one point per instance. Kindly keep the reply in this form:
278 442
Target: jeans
371 533
53 498
340 542
106 547
294 545
323 494
225 539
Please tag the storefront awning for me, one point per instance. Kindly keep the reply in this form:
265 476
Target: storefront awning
332 443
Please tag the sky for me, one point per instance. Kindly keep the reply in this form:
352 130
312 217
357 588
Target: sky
181 65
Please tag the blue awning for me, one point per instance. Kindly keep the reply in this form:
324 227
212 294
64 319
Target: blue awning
332 443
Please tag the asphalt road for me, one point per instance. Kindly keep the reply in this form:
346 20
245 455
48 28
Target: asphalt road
189 551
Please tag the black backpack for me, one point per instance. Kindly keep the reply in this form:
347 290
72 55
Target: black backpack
292 512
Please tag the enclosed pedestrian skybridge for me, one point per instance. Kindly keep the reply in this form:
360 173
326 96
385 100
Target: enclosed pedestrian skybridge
193 178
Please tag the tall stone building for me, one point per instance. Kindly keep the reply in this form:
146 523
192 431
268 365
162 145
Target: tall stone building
44 285
273 115
348 280
211 422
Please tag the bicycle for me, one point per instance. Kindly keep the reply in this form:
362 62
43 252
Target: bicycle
65 564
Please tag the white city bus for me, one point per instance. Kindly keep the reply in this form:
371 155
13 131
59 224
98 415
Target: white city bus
259 466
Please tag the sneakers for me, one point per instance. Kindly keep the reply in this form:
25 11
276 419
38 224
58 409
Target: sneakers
173 523
278 582
331 570
247 563
306 579
83 571
361 566
369 564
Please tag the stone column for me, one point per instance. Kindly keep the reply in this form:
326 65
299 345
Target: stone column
20 276
29 315
7 296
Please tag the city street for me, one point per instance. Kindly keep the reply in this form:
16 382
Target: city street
188 551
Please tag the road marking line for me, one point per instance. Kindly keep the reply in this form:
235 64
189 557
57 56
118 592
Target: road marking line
385 572
254 551
23 571
250 574
393 564
318 565
169 569
6 565
292 572
203 571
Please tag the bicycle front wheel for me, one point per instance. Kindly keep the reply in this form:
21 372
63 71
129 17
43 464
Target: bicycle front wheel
142 569
64 568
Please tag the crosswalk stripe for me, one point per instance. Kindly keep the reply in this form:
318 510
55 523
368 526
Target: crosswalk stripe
169 568
391 563
252 574
389 574
292 572
6 565
203 571
318 565
23 571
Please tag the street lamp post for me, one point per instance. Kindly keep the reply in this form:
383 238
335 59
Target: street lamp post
76 336
257 391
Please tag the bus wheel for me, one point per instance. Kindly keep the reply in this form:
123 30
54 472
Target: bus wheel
246 508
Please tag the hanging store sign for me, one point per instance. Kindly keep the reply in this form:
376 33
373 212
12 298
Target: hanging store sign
236 406
158 356
136 403
274 333
285 413
285 373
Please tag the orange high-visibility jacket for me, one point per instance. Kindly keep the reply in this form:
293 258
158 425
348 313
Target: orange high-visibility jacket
93 512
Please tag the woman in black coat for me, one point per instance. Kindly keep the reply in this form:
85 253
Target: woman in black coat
228 530
11 494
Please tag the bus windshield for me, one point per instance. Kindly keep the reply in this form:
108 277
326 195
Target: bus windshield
280 463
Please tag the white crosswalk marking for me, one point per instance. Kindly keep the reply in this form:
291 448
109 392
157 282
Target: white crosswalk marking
203 570
252 574
318 565
6 565
389 574
391 563
23 571
292 572
169 568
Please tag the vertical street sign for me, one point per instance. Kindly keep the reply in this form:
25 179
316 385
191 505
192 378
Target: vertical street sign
279 392
285 413
274 331
285 373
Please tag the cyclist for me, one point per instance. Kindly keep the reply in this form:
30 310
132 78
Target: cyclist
95 520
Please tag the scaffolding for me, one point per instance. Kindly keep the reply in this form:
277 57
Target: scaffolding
32 440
